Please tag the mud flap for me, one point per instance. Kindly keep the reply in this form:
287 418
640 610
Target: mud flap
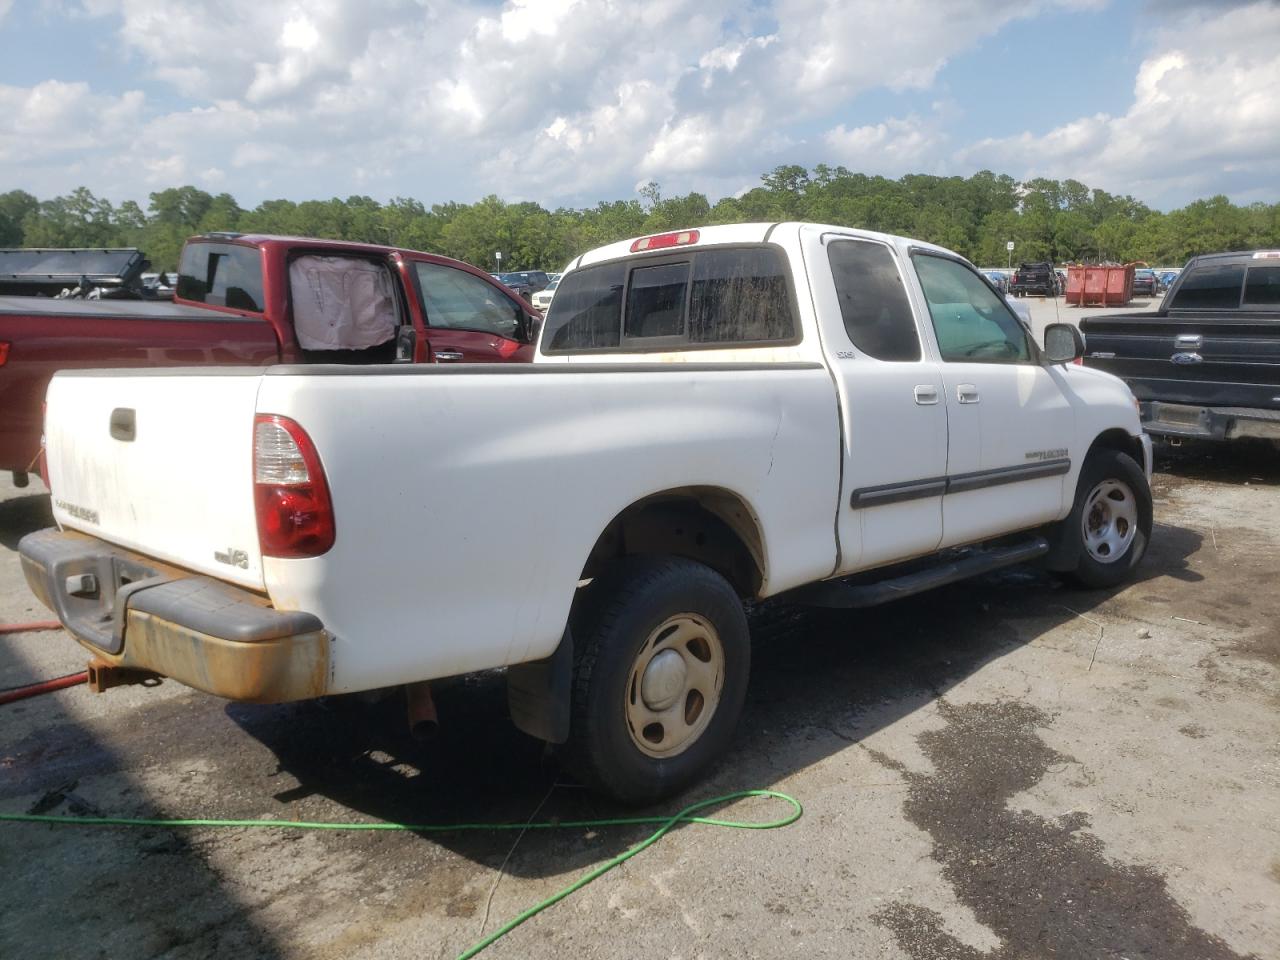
538 693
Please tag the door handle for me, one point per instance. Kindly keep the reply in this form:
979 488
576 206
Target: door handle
448 356
967 393
926 394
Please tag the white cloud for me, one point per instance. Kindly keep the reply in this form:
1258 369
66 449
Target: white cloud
566 99
1204 113
887 148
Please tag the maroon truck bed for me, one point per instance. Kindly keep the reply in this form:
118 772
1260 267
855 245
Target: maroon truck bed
49 335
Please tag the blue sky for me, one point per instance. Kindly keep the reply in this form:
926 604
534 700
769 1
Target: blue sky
568 102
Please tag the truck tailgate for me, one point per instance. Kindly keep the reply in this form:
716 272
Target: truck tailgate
159 463
1212 362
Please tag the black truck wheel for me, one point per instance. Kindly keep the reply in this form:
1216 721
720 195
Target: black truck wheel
1111 519
662 655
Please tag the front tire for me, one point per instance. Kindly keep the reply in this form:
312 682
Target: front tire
660 676
1110 522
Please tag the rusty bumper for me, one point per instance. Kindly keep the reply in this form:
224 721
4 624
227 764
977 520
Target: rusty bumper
135 613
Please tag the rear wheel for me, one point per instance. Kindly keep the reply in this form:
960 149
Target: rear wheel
1111 519
662 658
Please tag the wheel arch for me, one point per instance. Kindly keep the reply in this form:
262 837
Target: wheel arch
1119 439
712 525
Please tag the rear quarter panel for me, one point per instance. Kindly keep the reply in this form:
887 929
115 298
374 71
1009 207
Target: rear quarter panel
467 503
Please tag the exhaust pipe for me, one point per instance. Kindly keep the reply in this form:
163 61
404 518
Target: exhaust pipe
423 723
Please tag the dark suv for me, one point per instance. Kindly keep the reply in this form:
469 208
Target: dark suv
1037 279
525 282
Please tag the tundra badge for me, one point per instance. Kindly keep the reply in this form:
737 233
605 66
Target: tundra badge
233 558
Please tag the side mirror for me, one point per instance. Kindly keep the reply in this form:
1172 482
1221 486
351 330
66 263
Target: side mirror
406 343
1062 343
527 328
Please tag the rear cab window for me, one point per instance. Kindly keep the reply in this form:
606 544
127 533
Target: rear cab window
221 275
1210 286
715 297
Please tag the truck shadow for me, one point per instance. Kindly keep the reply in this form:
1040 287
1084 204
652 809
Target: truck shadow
1235 461
821 681
22 515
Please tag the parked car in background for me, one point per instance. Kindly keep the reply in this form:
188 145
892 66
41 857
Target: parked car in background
542 299
770 409
255 300
1020 309
525 282
1166 278
1034 279
1206 362
998 280
1144 282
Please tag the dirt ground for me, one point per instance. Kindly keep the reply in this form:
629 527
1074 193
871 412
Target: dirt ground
1007 768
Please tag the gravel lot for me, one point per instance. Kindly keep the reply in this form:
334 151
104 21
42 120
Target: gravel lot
1003 769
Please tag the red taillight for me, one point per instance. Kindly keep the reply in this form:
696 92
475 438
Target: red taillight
4 351
661 241
506 348
290 493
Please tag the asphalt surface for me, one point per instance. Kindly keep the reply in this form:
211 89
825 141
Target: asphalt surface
1007 768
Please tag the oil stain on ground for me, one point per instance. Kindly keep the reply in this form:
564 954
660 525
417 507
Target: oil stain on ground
1044 887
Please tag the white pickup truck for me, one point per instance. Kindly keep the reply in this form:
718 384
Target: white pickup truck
714 415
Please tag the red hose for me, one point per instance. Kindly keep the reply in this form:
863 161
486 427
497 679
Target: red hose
46 686
30 627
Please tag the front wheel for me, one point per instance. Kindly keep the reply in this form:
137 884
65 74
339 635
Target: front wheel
1111 519
662 657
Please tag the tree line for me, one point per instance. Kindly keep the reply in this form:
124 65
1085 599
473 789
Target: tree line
1061 221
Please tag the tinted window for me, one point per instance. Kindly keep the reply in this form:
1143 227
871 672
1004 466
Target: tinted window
1211 287
462 301
586 313
221 274
1262 286
972 322
873 301
740 296
655 300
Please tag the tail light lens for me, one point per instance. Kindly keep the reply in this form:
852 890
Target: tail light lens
4 352
291 495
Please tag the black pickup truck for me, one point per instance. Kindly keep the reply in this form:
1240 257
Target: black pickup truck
1206 364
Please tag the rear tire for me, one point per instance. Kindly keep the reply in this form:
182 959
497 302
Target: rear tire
662 655
1110 522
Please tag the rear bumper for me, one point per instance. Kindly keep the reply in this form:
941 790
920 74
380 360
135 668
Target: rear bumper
1208 423
130 611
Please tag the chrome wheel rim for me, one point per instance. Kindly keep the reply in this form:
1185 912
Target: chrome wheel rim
675 685
1109 521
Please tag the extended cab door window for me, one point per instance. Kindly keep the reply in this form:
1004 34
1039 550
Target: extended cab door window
458 300
972 323
873 302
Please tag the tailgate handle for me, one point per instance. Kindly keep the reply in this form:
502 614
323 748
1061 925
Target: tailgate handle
124 424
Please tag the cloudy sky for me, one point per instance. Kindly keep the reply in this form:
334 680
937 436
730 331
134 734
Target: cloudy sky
568 102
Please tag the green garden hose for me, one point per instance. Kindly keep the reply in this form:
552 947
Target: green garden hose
665 824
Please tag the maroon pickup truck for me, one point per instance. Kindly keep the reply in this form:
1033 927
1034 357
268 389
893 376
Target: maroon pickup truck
244 299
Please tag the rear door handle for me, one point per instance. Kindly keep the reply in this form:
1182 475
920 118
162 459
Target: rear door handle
967 393
926 394
448 356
